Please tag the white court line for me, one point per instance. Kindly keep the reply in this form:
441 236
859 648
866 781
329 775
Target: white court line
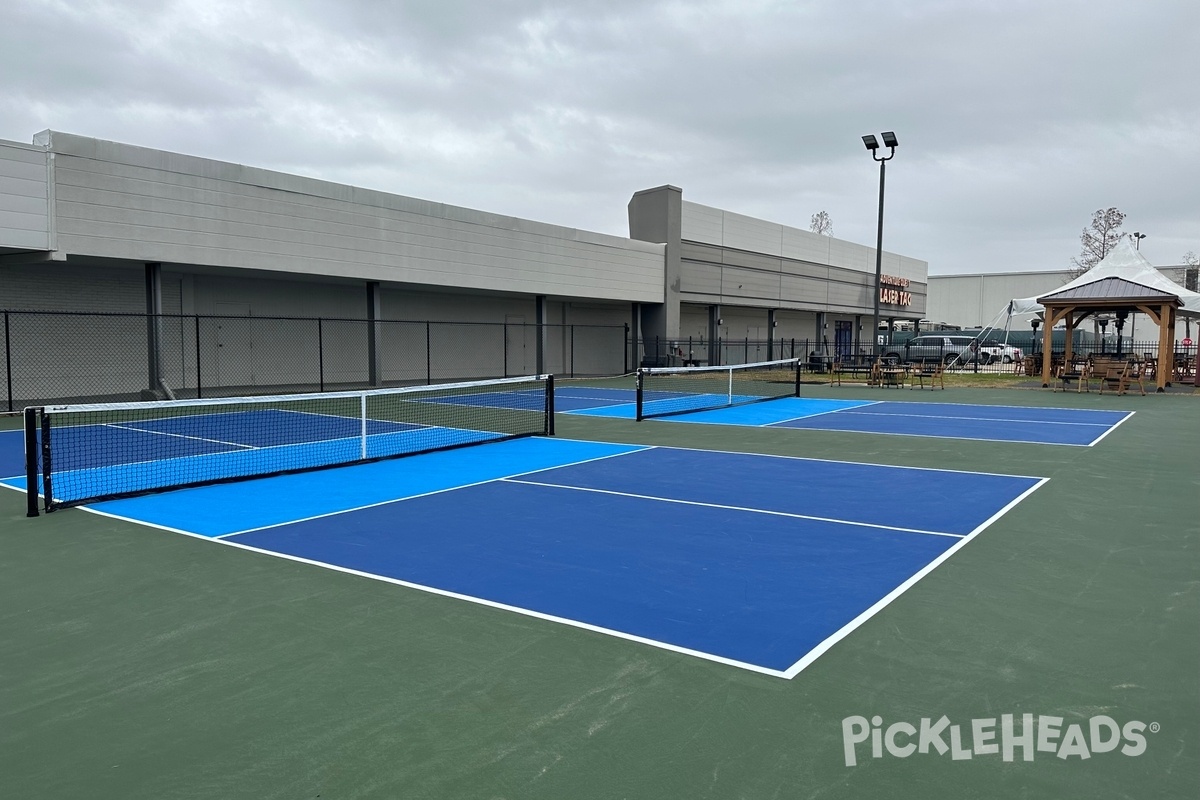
425 494
789 673
1005 405
355 420
1007 420
865 404
883 602
809 458
939 436
607 400
176 435
1121 422
468 598
749 510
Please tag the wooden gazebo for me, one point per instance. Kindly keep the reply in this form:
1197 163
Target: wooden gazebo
1112 296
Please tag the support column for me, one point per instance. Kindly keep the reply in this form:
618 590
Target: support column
374 351
656 215
153 329
635 336
771 334
714 335
540 301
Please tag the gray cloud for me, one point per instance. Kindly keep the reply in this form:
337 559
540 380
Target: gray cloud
1016 119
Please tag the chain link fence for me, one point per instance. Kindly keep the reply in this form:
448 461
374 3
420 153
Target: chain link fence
61 357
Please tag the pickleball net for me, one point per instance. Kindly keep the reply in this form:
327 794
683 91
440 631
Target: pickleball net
664 391
92 452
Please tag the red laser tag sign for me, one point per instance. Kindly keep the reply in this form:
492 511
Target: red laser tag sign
894 290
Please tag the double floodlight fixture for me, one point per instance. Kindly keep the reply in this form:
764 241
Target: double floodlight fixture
889 140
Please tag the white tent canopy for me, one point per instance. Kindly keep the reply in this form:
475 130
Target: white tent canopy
1128 264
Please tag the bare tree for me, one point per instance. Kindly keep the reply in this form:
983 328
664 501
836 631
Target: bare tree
1098 239
1191 277
821 223
1190 274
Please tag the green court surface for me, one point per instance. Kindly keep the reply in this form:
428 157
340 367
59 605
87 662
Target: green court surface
137 663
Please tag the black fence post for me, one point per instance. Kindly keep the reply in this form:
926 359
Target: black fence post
199 393
428 356
8 360
626 346
321 352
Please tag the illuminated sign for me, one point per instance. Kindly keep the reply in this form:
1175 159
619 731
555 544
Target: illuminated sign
893 290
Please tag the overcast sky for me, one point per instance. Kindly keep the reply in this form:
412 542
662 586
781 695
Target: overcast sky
1016 119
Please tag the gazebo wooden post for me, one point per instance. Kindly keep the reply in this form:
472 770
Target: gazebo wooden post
1163 316
1166 350
1053 316
1069 340
1047 343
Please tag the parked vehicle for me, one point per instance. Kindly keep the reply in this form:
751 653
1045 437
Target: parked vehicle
997 352
947 349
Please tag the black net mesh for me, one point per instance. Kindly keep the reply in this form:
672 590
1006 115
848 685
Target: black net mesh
663 391
104 451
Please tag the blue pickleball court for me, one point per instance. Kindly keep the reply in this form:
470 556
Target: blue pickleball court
1035 425
760 562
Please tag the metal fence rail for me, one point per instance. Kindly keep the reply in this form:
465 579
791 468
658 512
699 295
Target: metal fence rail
61 357
817 355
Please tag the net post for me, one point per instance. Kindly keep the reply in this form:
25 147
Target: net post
549 405
730 386
796 366
639 395
362 410
47 488
31 461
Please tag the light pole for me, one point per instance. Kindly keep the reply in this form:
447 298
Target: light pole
1137 237
889 141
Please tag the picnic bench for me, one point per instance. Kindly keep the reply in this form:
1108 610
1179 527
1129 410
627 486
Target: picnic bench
854 366
1117 374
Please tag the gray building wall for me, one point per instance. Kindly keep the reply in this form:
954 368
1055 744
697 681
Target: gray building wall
973 301
980 300
24 198
735 259
117 201
739 262
81 218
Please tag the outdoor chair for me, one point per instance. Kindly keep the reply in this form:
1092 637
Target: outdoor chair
931 369
1119 376
1149 365
1076 371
